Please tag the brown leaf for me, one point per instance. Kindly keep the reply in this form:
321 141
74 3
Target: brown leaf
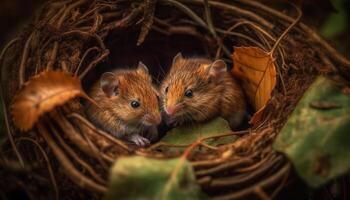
256 69
41 94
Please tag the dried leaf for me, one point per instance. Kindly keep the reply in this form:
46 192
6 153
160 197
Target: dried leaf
41 94
256 69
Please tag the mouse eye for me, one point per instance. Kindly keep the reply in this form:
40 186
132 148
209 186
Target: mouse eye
188 93
135 104
166 89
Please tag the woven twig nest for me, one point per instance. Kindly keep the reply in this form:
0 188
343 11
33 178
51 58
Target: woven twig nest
81 39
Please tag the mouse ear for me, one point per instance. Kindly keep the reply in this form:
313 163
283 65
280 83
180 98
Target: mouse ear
143 71
109 84
142 68
216 68
177 58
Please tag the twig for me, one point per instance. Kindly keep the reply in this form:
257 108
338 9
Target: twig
58 26
4 50
57 14
311 33
51 173
201 140
69 8
8 130
94 63
242 179
124 22
244 37
102 155
83 58
212 28
261 193
262 184
253 167
281 185
326 60
171 29
85 15
225 166
209 146
74 136
72 173
187 11
100 132
197 19
53 56
177 168
24 60
86 34
235 9
71 152
287 30
226 135
253 25
148 15
159 144
97 23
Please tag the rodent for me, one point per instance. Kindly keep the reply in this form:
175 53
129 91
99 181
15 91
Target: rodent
127 104
198 89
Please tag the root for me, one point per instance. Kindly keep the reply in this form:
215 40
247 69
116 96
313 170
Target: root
261 184
24 60
71 152
51 173
71 171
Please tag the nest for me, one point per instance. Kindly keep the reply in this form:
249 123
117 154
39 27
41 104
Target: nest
84 38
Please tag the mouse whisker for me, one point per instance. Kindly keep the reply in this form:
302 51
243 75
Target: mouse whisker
196 111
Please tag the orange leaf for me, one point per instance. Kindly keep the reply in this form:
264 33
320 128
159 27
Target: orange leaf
256 69
41 94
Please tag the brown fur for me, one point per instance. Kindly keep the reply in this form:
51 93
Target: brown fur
219 96
114 114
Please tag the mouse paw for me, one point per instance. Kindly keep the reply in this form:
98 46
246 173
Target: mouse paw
139 140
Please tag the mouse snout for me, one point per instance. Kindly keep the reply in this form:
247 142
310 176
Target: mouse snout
170 110
152 119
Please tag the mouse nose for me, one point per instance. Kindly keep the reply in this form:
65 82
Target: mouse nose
170 110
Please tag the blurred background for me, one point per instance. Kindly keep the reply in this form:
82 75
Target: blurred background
330 17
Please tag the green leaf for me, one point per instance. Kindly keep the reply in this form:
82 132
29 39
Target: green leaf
138 177
336 23
186 135
316 137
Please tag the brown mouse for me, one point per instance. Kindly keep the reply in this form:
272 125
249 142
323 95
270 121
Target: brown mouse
198 89
127 104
